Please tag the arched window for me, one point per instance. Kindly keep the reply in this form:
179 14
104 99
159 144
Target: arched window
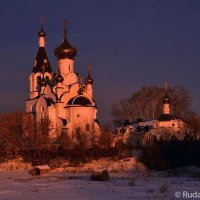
47 79
38 79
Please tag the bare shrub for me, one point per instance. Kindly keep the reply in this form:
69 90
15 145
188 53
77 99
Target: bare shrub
10 135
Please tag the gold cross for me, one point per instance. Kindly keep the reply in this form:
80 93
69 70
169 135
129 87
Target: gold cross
81 81
42 21
89 67
166 85
65 24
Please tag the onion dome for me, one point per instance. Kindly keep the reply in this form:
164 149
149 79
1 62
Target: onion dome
65 50
166 99
79 100
59 77
89 79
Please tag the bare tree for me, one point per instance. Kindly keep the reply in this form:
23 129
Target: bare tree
106 136
10 133
180 100
146 103
36 137
193 128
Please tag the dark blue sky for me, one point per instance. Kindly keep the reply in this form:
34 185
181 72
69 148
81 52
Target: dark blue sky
128 44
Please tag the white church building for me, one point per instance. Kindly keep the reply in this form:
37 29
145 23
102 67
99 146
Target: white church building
62 96
166 127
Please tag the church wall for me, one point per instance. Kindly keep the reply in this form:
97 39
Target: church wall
30 105
41 108
82 114
68 113
59 90
31 78
66 66
89 90
49 94
60 110
175 124
52 115
72 93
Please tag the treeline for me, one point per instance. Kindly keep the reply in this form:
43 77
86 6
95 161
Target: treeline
39 142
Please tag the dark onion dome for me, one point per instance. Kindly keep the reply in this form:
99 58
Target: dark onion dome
59 77
65 50
41 33
166 99
43 82
79 100
89 79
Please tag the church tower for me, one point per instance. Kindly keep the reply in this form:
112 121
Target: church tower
88 83
41 72
41 68
166 119
65 54
166 115
60 96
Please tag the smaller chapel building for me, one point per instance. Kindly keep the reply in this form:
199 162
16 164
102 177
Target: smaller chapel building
60 96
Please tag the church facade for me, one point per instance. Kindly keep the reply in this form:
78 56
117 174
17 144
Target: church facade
62 96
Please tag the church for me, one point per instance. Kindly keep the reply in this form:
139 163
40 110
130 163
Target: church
165 127
63 97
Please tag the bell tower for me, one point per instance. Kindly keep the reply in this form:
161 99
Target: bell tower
166 100
42 67
65 54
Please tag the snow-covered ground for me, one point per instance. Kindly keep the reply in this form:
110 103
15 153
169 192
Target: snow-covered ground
64 185
125 183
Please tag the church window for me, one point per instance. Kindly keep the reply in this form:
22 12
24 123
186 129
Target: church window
47 78
38 79
78 115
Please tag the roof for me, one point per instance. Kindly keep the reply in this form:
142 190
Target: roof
79 100
166 117
40 61
49 101
65 50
